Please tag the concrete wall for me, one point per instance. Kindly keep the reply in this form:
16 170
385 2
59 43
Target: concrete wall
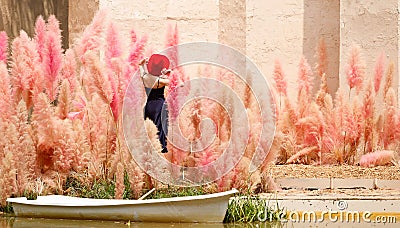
322 20
81 13
275 31
288 29
373 25
232 24
16 15
196 20
263 30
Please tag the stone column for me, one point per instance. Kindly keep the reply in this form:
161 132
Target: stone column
275 31
22 15
321 21
81 13
232 24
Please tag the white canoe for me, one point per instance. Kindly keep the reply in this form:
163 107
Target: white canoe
202 208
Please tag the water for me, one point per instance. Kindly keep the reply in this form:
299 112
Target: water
11 222
8 222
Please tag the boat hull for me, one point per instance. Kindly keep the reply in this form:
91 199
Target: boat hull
204 208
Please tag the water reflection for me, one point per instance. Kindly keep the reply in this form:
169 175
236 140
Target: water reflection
11 222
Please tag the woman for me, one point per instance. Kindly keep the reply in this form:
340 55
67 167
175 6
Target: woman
154 73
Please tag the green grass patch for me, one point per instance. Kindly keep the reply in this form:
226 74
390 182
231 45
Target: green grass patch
8 209
99 189
250 209
172 191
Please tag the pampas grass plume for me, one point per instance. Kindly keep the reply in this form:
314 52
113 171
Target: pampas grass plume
136 52
279 77
69 69
98 82
355 70
305 79
389 78
380 64
377 158
322 64
40 36
92 38
3 46
52 58
368 105
114 48
6 98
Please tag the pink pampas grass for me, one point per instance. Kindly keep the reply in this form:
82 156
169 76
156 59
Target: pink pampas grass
322 64
52 58
305 79
6 98
173 98
64 100
355 70
3 47
173 53
79 109
96 81
368 105
380 64
26 69
40 36
280 80
136 51
114 48
390 120
389 78
368 114
303 152
377 158
69 69
115 69
133 36
92 39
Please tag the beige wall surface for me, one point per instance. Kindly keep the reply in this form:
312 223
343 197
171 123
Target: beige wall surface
275 31
373 25
322 20
196 20
21 15
81 13
263 30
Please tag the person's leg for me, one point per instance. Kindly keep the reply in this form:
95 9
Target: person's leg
164 125
154 112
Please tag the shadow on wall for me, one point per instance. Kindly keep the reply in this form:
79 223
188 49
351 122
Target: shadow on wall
322 20
22 14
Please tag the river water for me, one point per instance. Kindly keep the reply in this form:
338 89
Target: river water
11 222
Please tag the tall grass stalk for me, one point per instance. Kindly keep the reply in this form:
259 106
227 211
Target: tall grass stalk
246 209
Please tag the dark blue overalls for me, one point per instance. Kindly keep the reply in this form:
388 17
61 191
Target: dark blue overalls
156 111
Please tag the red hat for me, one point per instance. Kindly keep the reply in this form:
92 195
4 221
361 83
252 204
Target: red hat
156 63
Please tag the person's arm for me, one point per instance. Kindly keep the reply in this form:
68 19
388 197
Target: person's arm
142 67
162 81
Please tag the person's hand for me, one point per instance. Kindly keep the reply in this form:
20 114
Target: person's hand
165 71
143 61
